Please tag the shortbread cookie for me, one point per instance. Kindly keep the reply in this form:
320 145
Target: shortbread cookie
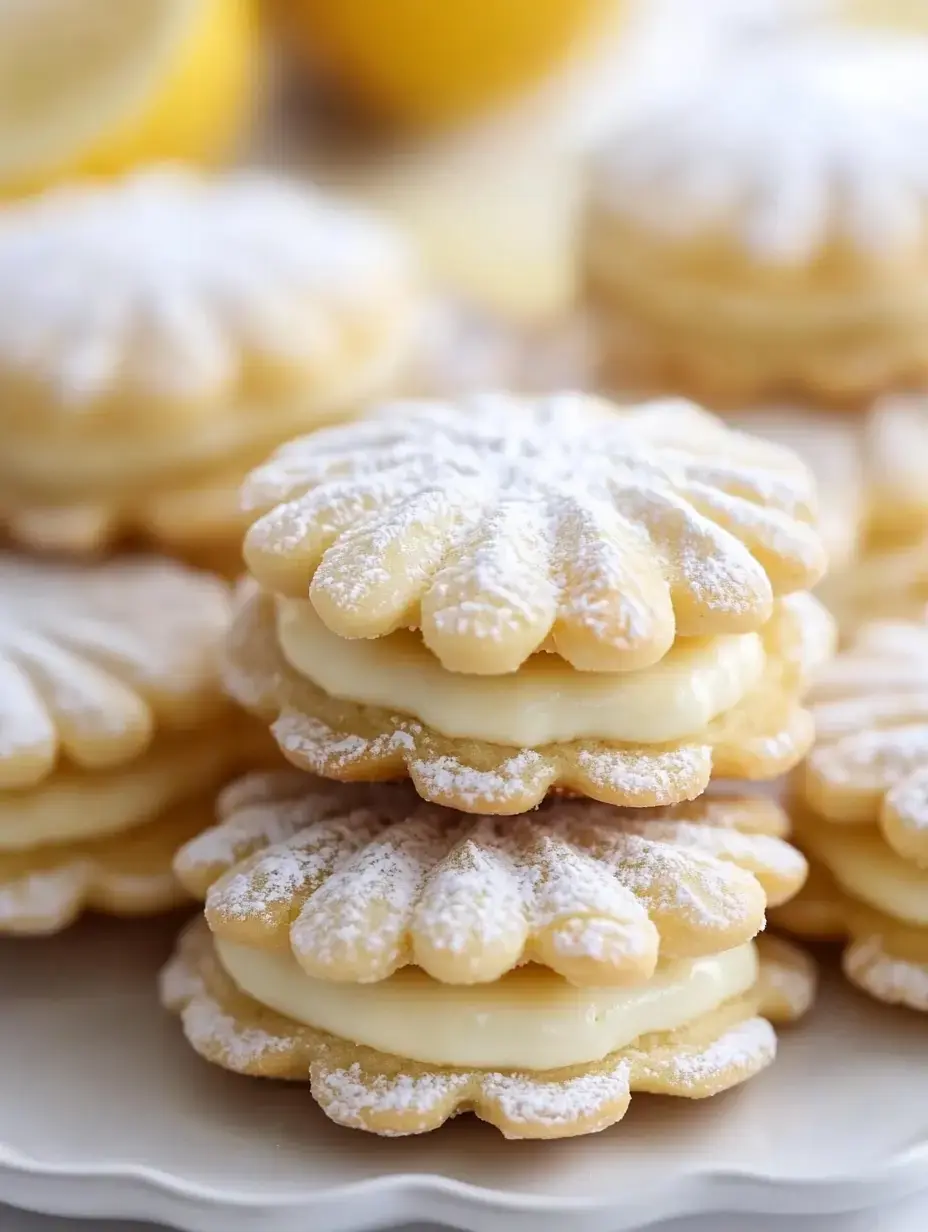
896 438
364 1087
161 335
885 956
44 889
832 448
797 265
94 660
870 765
763 736
501 525
360 881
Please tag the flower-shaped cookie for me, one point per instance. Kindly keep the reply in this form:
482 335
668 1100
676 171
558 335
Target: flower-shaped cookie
870 764
163 334
762 737
796 264
93 660
814 140
501 525
188 292
365 1089
360 881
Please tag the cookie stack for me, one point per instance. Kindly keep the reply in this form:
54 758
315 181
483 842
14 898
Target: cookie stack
159 335
499 600
861 812
163 333
114 735
756 225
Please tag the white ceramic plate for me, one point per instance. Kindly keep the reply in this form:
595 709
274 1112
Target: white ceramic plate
104 1111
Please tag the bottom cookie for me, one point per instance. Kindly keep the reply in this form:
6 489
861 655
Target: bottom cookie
385 1094
884 957
45 889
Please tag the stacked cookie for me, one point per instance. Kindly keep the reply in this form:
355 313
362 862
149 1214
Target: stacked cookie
756 224
159 335
861 811
510 603
114 735
163 333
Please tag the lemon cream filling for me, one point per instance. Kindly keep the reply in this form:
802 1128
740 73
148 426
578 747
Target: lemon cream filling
530 1019
546 700
75 804
869 870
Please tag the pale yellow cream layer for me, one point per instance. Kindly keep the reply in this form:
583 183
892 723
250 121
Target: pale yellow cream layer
545 701
530 1019
864 866
75 804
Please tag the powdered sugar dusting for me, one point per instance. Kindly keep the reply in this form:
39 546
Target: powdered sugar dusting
743 1049
897 981
352 1096
175 286
93 657
809 136
446 778
492 525
525 1100
367 890
908 801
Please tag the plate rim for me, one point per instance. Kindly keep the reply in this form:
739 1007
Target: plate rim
146 1193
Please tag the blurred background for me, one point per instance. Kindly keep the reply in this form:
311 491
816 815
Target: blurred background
468 120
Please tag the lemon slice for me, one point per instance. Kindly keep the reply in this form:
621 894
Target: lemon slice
91 88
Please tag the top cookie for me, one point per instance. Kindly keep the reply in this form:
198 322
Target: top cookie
186 292
93 660
812 138
501 525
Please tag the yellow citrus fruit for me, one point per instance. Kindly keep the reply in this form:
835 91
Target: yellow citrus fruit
93 87
436 61
900 14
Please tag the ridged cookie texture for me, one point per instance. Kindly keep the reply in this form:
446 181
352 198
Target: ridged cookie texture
185 292
499 525
361 880
795 266
163 333
93 661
